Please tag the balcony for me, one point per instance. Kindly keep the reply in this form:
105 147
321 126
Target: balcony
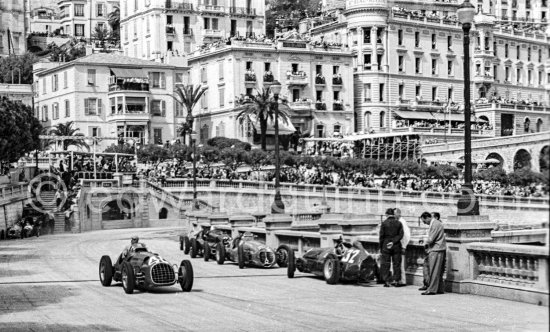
510 106
213 33
212 9
242 11
117 84
320 80
170 30
300 105
480 79
483 53
268 78
337 83
187 31
133 116
250 80
178 7
320 106
338 106
297 79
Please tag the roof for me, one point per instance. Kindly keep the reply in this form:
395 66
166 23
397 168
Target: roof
111 60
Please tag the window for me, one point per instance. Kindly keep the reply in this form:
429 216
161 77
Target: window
530 77
417 91
540 55
267 66
79 30
449 42
335 70
295 68
207 23
401 91
44 86
434 66
434 93
179 78
157 80
67 108
450 68
417 39
220 70
158 108
249 65
382 119
368 61
540 77
249 91
518 52
55 111
418 65
204 78
204 100
215 24
337 128
506 50
367 91
65 80
399 37
157 135
366 35
450 94
319 69
401 67
100 10
54 82
295 95
94 131
381 92
529 54
169 45
507 74
148 23
92 106
434 41
518 76
44 113
379 61
178 109
136 5
135 29
91 77
78 10
222 96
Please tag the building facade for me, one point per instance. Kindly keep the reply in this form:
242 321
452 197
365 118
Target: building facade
108 95
17 92
13 27
79 18
152 28
408 68
317 83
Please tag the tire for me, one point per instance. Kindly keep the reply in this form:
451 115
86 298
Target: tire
2 235
105 271
240 256
206 251
185 275
331 270
181 243
186 245
128 278
194 248
220 253
282 255
291 268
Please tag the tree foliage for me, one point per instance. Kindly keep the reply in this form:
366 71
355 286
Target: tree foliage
224 142
70 51
67 129
189 96
19 130
289 9
114 23
17 69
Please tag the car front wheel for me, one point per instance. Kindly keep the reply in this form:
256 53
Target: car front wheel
331 270
128 278
185 275
220 253
105 271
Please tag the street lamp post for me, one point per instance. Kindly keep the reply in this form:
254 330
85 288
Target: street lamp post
193 137
467 203
278 207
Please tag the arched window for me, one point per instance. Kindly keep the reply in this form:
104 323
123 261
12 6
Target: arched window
539 125
522 159
382 119
526 125
368 121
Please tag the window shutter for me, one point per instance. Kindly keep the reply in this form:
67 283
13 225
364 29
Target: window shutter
86 107
163 108
98 131
90 131
162 80
99 106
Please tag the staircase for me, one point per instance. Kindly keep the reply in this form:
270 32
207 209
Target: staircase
47 198
59 225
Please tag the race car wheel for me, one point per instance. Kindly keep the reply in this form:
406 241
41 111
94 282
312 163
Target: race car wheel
128 278
194 248
331 270
181 243
186 245
240 256
282 255
185 275
206 251
105 271
2 235
291 268
220 253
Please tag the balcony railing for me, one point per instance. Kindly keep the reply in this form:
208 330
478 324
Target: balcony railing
268 78
170 30
185 6
320 106
337 106
533 108
299 78
300 105
117 84
212 8
320 80
242 11
250 78
212 33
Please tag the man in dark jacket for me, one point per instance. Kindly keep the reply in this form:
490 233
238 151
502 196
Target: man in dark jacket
391 232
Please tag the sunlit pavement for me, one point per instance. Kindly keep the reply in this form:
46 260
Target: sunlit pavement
51 283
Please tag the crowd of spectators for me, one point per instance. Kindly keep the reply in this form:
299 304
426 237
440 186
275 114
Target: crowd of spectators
424 14
440 125
510 101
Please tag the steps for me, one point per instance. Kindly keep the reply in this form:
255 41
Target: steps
47 199
59 225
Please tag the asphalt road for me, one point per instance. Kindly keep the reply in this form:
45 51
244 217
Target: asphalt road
51 283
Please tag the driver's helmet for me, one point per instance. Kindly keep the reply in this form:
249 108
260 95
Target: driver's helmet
135 239
248 236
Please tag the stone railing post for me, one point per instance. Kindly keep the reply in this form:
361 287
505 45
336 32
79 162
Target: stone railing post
241 220
459 231
275 222
330 229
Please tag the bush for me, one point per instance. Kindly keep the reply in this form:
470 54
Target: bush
525 177
493 174
224 142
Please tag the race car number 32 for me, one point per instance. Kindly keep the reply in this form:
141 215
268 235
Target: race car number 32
350 256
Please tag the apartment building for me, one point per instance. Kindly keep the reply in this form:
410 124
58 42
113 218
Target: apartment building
519 11
408 68
111 95
79 18
13 27
152 28
317 85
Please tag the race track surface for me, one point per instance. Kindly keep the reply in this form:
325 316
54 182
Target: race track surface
51 284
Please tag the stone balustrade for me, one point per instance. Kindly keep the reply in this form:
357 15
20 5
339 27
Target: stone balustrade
13 191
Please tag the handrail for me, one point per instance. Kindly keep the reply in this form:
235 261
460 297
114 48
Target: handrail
7 192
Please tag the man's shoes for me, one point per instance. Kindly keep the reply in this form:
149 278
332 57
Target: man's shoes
399 285
386 285
427 293
423 288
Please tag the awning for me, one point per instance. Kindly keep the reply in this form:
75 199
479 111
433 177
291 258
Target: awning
284 128
129 73
411 115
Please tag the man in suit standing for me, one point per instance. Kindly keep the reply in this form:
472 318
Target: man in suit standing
437 249
404 242
391 233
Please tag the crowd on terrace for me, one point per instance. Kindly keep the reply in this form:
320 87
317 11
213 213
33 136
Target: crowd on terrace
423 14
510 101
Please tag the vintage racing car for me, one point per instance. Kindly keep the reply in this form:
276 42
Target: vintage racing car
203 243
143 270
247 251
344 262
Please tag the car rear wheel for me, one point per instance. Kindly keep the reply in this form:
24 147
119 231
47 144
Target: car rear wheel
331 270
128 278
194 248
291 268
206 251
105 271
181 243
186 245
220 253
240 256
185 275
282 255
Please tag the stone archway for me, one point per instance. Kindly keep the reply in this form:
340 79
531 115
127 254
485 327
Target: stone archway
544 159
494 155
522 160
163 213
116 210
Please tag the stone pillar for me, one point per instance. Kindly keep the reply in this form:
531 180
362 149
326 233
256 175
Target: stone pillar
361 61
353 228
330 229
242 220
459 231
218 219
273 223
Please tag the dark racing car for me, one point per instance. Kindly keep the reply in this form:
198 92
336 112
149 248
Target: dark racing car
144 270
247 251
344 262
203 243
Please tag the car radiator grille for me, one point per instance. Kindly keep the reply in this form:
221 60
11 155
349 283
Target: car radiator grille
162 274
269 255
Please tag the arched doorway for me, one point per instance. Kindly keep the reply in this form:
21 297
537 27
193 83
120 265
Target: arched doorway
116 210
367 122
382 119
494 155
522 160
163 213
527 125
539 125
544 159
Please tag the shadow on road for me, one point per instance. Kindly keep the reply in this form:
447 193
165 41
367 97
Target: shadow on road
21 326
25 297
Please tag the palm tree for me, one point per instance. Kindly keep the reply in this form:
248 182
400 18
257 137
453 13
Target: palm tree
100 35
260 107
66 129
114 23
189 96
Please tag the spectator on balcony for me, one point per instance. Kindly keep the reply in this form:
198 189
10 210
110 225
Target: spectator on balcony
319 79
